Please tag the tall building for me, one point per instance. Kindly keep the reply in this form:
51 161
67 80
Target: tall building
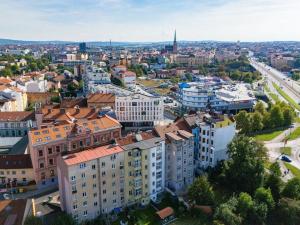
48 143
82 47
179 158
91 182
212 134
144 167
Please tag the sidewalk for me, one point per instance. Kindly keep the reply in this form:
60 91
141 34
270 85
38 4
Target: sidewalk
284 134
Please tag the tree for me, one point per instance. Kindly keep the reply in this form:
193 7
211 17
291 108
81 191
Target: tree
292 189
260 107
226 213
243 122
33 220
6 72
201 191
257 121
288 211
245 169
64 219
276 116
245 204
273 181
288 116
263 195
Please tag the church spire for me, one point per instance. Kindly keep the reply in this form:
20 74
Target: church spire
175 43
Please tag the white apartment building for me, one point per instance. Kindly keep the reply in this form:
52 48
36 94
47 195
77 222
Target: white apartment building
221 98
91 182
95 76
212 134
139 110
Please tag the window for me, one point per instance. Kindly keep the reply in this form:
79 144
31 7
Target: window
104 191
14 172
82 165
83 194
83 185
41 165
93 167
73 178
83 175
40 152
85 213
84 203
50 161
95 203
75 206
74 146
52 173
49 151
94 176
94 185
57 149
103 164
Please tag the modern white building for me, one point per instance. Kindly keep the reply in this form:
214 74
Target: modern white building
220 98
94 76
138 110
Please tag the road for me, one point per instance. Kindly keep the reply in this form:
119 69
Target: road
289 86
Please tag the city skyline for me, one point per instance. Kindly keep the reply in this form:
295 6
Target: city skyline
150 21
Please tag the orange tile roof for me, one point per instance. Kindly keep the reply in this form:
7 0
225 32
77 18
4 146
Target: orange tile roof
16 116
131 138
4 80
63 114
47 135
166 212
101 98
91 154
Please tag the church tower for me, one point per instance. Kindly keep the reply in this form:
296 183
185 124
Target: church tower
175 44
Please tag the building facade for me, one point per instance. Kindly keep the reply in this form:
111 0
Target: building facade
138 110
91 182
48 143
16 124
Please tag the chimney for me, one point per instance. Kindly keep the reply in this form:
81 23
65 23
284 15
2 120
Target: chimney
62 111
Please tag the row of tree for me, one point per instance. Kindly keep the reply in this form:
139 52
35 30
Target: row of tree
278 115
251 195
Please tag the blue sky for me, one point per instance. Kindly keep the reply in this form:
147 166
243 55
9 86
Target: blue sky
150 20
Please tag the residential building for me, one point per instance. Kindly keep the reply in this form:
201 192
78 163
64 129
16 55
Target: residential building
16 124
47 143
138 110
15 170
12 99
212 134
128 78
91 182
144 167
179 159
95 75
226 98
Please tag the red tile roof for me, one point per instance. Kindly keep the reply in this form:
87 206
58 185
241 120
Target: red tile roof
91 154
101 98
16 116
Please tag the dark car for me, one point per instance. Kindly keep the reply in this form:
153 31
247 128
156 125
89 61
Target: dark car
286 159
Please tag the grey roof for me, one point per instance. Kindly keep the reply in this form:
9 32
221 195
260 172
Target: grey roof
145 144
13 145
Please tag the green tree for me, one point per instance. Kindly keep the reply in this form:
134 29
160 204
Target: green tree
257 122
33 66
292 189
6 72
201 191
274 182
288 211
276 116
33 220
245 168
288 116
260 107
243 122
263 195
64 219
245 204
226 213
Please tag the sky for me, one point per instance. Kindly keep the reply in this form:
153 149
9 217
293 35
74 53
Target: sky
150 20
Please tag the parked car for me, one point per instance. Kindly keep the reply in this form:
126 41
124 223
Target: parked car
286 159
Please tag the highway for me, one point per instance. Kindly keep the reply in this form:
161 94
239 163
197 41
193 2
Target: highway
289 86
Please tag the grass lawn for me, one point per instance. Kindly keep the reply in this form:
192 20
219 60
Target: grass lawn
268 136
293 169
144 216
267 164
286 150
149 83
274 97
294 135
287 97
162 91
